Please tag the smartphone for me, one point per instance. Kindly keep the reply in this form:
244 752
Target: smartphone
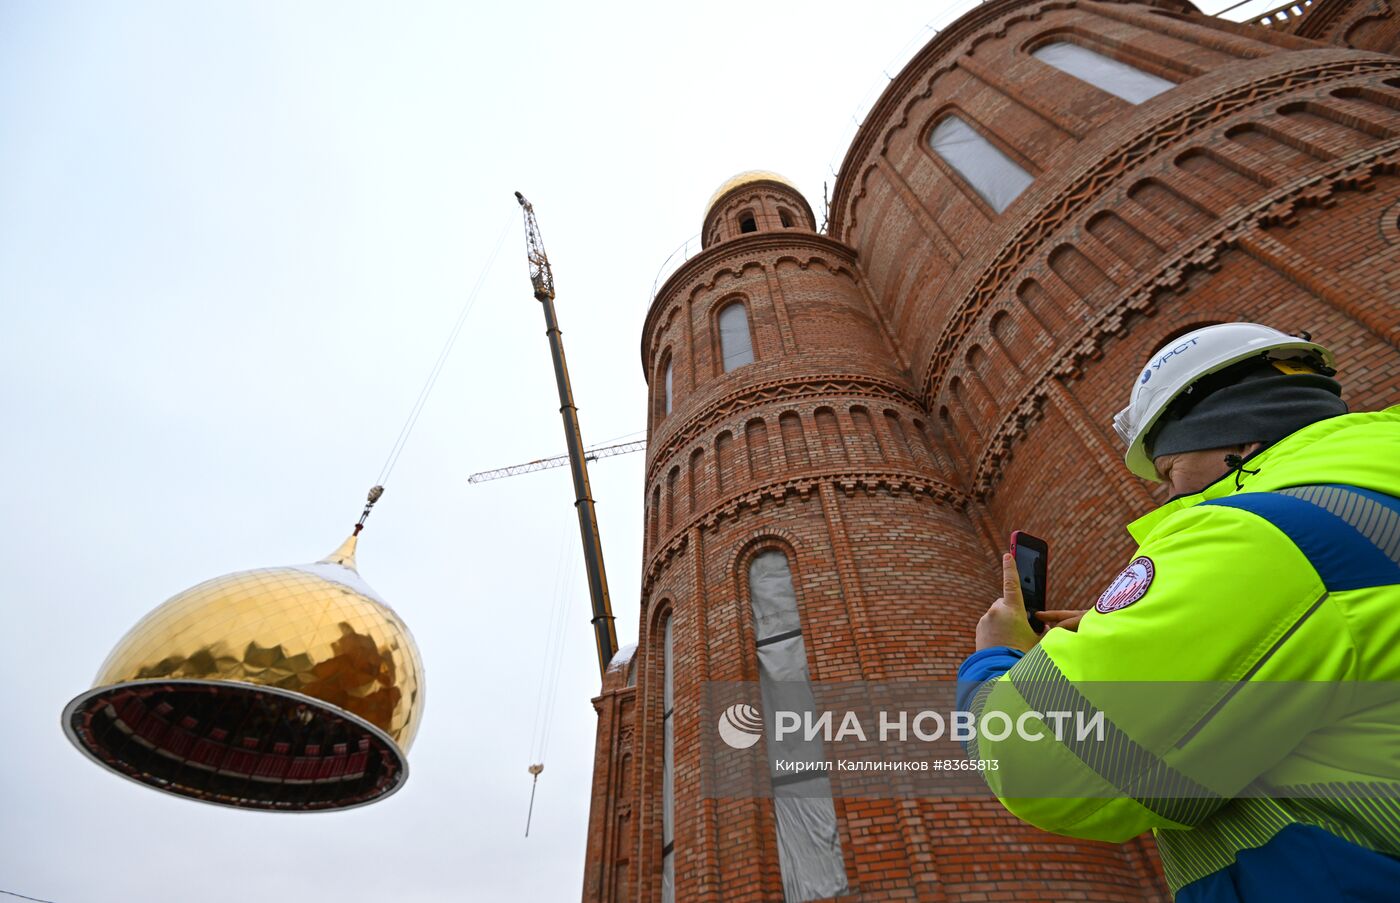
1031 554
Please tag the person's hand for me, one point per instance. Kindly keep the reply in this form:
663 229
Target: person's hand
1005 622
1065 618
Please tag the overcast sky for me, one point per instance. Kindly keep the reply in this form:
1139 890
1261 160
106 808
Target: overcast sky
233 238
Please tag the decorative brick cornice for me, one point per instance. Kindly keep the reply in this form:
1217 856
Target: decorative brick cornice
823 385
661 558
744 250
1355 172
889 481
1042 224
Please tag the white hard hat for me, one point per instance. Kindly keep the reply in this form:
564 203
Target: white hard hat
1181 362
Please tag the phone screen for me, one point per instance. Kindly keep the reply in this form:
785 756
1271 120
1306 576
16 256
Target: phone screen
1031 555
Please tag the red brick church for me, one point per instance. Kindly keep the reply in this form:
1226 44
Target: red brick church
845 424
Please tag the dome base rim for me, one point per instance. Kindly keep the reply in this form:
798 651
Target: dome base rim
99 698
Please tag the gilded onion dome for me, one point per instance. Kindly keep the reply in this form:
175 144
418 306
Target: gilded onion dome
746 178
287 688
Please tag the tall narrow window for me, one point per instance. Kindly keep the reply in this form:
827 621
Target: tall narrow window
991 173
747 222
735 345
668 774
667 408
809 846
785 218
1104 73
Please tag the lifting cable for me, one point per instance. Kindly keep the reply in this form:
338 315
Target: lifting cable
551 664
23 897
561 631
431 381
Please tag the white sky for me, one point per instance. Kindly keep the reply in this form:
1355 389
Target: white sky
233 237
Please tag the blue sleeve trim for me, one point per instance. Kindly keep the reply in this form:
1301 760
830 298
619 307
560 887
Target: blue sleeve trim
983 665
1301 862
1350 535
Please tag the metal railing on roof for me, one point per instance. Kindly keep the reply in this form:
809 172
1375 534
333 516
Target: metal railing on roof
688 249
1286 15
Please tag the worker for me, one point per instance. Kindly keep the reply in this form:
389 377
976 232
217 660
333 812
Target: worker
1276 559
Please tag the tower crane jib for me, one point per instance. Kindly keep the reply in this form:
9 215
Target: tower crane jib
591 454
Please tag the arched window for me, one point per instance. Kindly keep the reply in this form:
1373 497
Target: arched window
785 218
735 344
668 772
666 406
747 222
990 173
809 845
1104 73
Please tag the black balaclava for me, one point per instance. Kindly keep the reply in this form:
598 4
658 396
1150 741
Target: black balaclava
1253 401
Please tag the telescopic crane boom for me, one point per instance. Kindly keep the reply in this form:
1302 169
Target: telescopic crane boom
542 280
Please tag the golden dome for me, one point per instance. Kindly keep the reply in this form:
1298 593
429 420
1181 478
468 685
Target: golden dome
745 178
288 688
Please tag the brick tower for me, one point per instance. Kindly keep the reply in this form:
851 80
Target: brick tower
1047 192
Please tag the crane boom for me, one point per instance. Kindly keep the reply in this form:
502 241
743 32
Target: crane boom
592 454
542 280
541 276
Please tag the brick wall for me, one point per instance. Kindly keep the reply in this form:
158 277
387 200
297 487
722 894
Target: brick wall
933 374
1362 24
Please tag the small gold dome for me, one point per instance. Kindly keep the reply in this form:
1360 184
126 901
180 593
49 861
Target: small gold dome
288 688
745 178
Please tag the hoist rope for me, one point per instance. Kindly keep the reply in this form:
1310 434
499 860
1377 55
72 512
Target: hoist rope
546 653
436 371
551 663
619 438
553 698
534 782
23 897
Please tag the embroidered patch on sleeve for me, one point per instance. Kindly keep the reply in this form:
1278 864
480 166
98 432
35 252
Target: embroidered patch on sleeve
1129 586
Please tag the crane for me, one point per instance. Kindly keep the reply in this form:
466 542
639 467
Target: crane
591 454
542 281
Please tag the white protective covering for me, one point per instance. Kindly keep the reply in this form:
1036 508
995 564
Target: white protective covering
734 341
772 598
812 867
783 682
623 657
991 173
1104 73
668 877
668 777
809 847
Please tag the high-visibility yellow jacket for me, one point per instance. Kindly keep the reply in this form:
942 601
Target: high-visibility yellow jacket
1245 670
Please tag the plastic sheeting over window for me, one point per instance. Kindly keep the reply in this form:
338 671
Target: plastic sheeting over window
1104 73
668 776
991 173
771 596
735 344
809 845
804 810
669 371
